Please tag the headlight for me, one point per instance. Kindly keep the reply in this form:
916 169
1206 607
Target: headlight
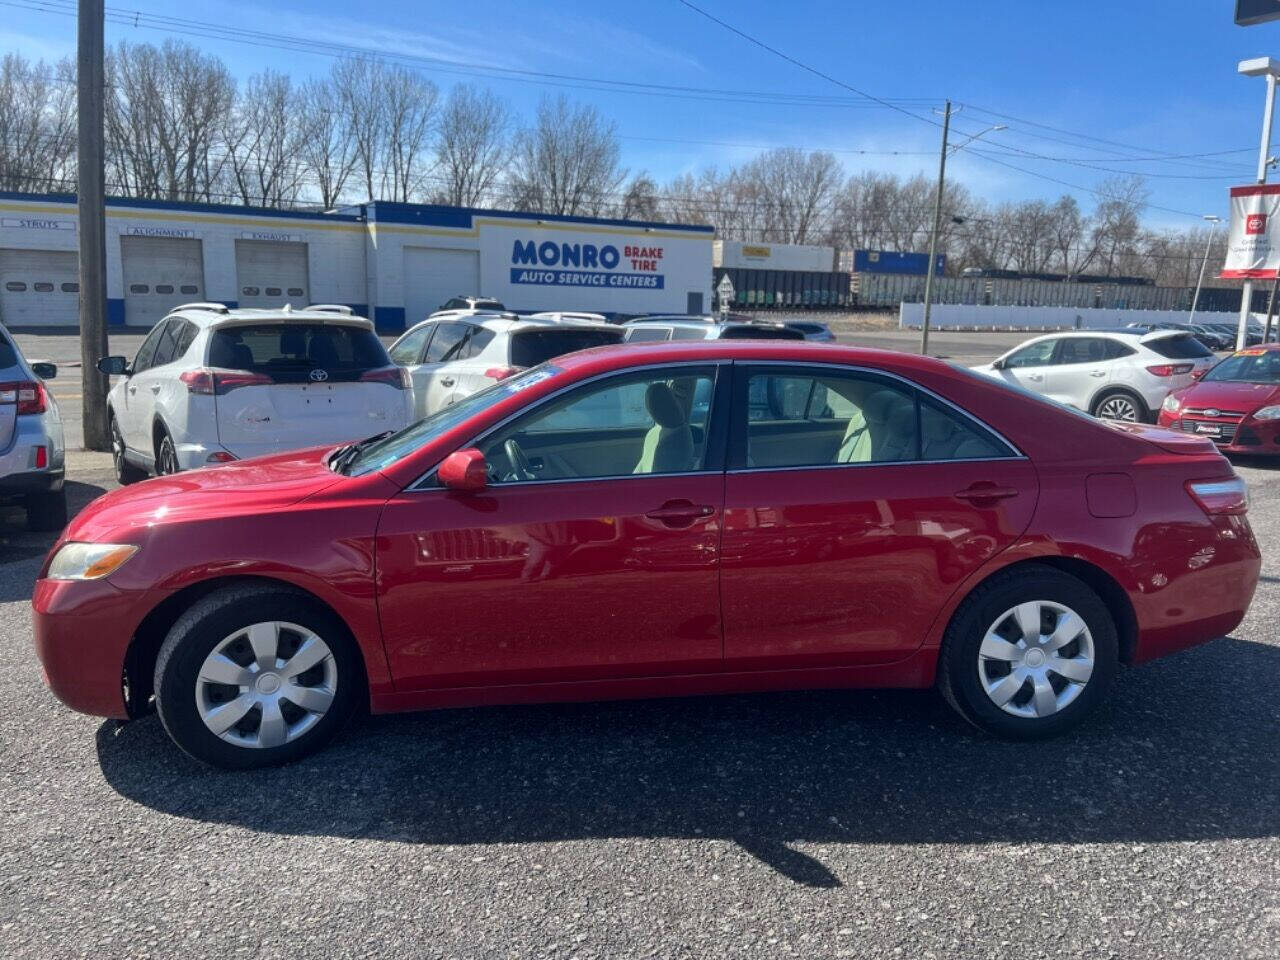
1170 404
89 561
1267 413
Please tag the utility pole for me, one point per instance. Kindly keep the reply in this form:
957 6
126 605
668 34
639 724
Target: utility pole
933 237
1195 300
1268 68
91 203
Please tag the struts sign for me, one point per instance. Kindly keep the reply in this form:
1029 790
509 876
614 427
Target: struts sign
552 264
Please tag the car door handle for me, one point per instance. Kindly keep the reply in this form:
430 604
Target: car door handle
986 491
155 388
681 513
448 382
1097 373
1035 376
133 388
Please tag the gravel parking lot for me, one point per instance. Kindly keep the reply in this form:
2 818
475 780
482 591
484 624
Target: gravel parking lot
866 824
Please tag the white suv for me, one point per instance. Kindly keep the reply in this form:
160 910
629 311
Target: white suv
210 385
458 355
1117 375
32 449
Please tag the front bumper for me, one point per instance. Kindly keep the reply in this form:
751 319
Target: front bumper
1247 436
82 633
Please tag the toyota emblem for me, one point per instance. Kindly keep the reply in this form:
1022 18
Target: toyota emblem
1212 412
319 376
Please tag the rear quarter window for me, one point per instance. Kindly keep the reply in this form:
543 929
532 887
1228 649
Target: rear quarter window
1181 347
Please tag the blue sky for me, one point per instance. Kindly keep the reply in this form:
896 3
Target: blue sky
1158 78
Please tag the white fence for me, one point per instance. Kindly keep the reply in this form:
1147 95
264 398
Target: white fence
977 317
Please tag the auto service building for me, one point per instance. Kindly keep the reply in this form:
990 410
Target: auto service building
393 262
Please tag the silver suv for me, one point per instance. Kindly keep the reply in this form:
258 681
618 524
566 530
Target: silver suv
32 450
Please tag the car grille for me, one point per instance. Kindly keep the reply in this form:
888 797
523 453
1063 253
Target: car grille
1228 429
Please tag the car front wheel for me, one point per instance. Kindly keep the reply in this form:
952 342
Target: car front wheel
1029 654
256 676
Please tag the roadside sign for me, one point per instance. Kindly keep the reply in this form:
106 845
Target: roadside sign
1253 235
724 290
1249 12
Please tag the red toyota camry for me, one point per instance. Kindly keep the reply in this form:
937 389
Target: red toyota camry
651 521
1236 404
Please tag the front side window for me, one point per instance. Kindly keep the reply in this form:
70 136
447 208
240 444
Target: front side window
408 348
146 352
655 422
820 418
1036 355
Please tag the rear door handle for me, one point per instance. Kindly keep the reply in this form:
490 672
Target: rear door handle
133 388
1097 373
448 382
155 388
681 513
987 491
1035 376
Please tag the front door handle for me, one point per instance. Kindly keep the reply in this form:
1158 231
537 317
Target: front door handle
988 492
1035 376
1097 373
681 513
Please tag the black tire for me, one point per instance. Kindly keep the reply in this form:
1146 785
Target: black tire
46 512
959 667
166 454
126 473
205 626
1141 413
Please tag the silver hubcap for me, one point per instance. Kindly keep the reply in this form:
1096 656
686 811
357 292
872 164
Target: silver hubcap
1036 659
1118 408
266 684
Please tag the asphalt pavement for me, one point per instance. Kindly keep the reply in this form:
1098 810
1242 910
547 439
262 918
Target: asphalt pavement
853 824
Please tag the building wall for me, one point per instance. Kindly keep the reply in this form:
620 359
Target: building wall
357 256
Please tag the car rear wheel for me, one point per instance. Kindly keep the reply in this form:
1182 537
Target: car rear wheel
47 512
166 455
126 473
1120 405
256 676
1029 654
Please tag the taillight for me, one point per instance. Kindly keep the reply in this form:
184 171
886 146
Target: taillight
220 456
40 457
397 377
28 395
1220 497
1171 369
206 383
501 373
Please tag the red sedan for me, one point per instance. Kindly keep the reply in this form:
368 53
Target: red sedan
1236 404
653 521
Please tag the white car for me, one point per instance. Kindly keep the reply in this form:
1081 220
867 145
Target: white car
459 355
1114 374
210 385
32 448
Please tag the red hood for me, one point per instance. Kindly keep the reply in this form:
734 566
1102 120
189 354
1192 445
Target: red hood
1228 395
253 486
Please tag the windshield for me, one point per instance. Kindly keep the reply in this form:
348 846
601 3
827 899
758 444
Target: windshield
397 446
1248 366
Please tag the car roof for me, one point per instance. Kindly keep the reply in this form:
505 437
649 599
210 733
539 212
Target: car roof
511 323
603 359
219 315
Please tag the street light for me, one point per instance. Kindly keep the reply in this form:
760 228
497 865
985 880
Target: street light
937 216
1269 68
1204 263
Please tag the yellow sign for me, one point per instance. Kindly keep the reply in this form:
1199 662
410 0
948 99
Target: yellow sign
756 253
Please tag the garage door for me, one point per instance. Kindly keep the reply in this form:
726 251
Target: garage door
159 274
433 275
272 273
39 288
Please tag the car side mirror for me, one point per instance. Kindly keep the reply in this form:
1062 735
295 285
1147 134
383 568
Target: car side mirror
465 471
45 370
999 364
113 366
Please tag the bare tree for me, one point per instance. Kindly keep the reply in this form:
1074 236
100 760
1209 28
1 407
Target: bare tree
1117 219
408 104
640 200
357 85
472 146
264 138
166 110
37 125
567 162
326 149
795 191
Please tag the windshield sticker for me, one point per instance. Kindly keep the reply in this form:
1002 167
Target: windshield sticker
528 380
1254 352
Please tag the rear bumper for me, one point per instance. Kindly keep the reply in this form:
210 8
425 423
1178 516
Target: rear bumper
35 481
18 472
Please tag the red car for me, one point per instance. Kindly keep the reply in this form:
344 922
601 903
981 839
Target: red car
654 521
1236 404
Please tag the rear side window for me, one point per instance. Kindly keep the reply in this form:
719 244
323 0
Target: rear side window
185 339
447 342
1181 347
749 332
479 339
288 352
532 347
647 334
168 340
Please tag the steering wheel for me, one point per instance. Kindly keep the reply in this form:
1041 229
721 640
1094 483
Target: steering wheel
519 462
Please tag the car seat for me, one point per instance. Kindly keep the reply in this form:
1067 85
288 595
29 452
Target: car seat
668 446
